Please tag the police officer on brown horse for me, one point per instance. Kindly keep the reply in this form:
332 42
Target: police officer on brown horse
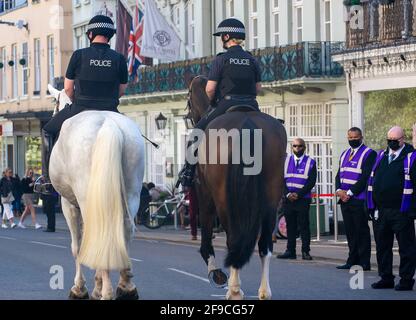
234 79
95 80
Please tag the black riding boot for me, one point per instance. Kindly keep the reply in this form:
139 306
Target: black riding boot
43 183
186 175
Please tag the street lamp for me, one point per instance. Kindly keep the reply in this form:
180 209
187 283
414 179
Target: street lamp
20 24
161 122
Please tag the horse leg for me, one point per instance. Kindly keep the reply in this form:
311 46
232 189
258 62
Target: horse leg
234 286
265 246
126 289
96 294
107 292
73 216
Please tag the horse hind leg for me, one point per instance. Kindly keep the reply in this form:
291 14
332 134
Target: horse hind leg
126 289
73 216
97 292
234 286
265 245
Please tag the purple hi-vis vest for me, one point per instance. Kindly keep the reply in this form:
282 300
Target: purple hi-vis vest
295 178
408 185
350 171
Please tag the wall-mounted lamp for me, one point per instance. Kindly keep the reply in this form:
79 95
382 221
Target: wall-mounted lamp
370 63
354 64
386 60
161 122
402 57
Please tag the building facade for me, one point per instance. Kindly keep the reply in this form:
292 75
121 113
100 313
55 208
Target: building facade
31 57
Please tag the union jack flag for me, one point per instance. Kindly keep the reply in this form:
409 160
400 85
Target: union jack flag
134 59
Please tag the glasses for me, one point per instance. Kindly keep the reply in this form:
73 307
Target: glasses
297 146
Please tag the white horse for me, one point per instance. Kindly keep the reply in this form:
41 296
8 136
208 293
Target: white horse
97 165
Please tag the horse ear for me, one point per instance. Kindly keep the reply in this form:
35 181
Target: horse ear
188 79
54 92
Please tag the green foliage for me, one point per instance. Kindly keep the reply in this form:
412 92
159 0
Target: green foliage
385 109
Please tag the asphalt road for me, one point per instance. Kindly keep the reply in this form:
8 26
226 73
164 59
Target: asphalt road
168 271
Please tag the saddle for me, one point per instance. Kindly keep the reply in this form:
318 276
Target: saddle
241 108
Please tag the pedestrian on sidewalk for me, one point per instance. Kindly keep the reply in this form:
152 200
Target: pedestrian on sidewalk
350 182
6 185
300 178
392 204
17 194
27 184
49 208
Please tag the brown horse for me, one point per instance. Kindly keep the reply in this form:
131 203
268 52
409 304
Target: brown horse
245 204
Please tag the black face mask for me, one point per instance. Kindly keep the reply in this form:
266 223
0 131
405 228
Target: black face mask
298 153
393 144
355 143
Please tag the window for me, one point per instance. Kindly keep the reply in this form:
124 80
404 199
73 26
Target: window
25 70
3 79
191 25
80 37
275 23
299 24
14 72
7 5
229 9
327 20
37 77
51 60
176 15
254 24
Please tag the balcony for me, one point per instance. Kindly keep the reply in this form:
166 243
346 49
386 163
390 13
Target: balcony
278 65
384 25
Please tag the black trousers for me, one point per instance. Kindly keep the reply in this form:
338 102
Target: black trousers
358 233
297 218
389 223
49 203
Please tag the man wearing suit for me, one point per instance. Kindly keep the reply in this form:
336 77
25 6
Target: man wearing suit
351 181
391 201
300 178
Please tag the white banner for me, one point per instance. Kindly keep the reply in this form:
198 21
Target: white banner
159 39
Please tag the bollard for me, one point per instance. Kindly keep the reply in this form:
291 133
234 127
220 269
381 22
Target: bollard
318 227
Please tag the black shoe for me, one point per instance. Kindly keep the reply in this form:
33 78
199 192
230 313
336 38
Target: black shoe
405 285
383 284
306 256
287 255
344 267
366 267
49 230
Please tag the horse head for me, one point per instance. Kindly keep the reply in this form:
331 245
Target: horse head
198 101
61 98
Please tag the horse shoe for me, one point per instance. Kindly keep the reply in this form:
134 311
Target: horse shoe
126 295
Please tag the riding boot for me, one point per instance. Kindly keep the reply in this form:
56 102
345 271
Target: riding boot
43 183
186 175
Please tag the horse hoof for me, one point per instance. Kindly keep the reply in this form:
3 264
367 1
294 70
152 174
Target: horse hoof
218 278
95 295
234 295
126 295
265 295
76 294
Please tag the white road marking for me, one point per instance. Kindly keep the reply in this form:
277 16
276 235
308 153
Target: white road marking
188 245
7 238
189 274
48 244
223 296
137 260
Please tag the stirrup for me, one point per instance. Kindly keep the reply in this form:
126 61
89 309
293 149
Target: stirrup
43 186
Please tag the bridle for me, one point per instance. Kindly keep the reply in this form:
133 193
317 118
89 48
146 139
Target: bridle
189 104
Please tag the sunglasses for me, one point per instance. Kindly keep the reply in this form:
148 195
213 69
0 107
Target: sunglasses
298 146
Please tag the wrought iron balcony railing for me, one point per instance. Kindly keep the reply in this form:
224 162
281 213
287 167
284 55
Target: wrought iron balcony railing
303 60
383 24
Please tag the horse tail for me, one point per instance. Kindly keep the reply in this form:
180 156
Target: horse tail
104 242
245 195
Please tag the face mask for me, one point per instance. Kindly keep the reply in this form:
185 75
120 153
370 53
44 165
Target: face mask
355 143
298 153
393 144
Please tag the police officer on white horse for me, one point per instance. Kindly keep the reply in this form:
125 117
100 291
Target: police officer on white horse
234 79
95 80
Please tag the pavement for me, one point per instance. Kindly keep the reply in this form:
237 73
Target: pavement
324 250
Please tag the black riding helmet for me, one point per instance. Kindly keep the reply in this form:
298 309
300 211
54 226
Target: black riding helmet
233 27
101 25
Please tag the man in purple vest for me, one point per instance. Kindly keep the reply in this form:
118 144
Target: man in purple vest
300 178
391 202
351 181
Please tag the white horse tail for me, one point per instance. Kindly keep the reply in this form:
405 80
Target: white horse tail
104 239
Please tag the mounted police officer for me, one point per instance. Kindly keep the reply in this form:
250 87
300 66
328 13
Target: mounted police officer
95 80
392 204
234 79
351 181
